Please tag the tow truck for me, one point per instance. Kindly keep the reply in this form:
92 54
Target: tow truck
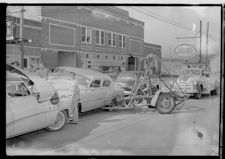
196 79
163 101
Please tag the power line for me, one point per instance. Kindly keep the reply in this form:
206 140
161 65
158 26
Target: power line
167 19
160 19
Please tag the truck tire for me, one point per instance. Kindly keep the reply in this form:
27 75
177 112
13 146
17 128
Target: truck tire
165 103
198 95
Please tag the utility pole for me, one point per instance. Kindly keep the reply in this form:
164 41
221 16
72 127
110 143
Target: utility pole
21 37
200 53
207 37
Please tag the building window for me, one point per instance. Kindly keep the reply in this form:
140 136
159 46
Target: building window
97 56
114 58
87 56
121 57
109 39
106 57
122 42
102 37
86 35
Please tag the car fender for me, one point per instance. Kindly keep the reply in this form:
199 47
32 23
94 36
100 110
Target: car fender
113 92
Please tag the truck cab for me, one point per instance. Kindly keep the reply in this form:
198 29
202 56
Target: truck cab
196 80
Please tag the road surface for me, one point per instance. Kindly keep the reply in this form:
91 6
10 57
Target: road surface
193 130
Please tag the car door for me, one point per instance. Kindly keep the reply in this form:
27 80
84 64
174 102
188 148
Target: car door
28 114
94 95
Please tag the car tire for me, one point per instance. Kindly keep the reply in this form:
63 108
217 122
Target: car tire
59 122
198 95
165 103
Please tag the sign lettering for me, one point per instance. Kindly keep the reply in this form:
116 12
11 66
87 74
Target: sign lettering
185 51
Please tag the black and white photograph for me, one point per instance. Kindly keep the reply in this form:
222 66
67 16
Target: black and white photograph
114 79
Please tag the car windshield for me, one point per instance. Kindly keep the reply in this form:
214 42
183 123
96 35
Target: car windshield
82 80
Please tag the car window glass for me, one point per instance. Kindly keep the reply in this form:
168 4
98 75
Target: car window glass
58 70
95 83
17 89
106 83
82 80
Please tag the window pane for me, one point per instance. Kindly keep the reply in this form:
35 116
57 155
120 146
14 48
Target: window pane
120 37
114 39
83 34
123 41
89 35
97 37
109 38
106 83
120 40
102 37
95 83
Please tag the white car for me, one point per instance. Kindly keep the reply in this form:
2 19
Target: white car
31 104
96 88
197 81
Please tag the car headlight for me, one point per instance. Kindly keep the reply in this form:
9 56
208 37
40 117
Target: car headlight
55 98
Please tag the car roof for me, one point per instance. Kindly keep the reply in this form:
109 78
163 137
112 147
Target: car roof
86 72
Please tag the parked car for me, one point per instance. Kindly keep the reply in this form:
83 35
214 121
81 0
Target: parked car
197 81
31 104
126 81
96 88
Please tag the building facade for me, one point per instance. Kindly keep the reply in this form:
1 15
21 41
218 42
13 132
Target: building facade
32 52
96 37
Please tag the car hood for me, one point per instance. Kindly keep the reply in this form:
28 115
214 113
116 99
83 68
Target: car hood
188 79
43 87
124 83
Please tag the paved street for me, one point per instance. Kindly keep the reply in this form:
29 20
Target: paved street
131 132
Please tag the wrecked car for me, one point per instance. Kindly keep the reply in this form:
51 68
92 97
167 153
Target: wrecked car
31 104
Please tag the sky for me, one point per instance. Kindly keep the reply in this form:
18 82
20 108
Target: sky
165 34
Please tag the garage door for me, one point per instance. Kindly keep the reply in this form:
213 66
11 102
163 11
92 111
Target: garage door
66 59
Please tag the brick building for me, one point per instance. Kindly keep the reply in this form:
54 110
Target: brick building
97 37
32 52
102 37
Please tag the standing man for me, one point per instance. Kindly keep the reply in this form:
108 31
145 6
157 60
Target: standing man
74 105
43 71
